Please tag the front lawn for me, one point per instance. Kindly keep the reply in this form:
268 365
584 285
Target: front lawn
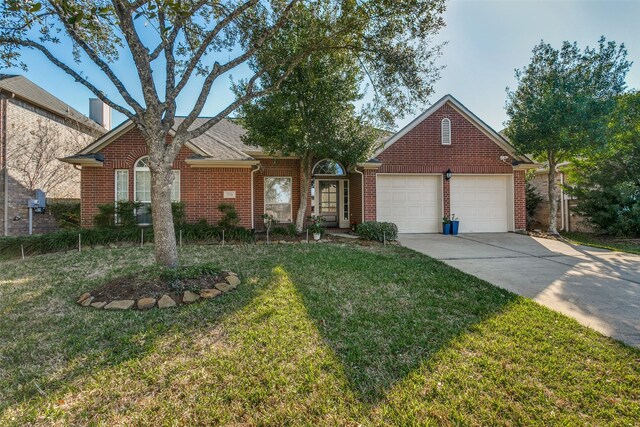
315 335
612 243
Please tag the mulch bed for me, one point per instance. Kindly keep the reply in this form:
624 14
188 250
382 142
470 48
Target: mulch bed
143 292
135 288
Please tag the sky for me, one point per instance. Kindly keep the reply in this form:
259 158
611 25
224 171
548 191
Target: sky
486 41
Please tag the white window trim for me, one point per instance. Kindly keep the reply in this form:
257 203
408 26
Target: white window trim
264 206
115 185
115 190
145 169
328 174
176 173
442 135
135 180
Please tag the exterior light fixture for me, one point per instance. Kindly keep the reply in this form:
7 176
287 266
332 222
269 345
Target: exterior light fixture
447 174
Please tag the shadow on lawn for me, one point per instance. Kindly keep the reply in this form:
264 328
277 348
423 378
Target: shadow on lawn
76 341
382 313
386 317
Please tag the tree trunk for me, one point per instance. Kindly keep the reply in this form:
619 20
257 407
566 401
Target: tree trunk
305 164
163 231
553 195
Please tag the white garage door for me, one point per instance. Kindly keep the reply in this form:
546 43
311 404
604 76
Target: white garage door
409 201
481 203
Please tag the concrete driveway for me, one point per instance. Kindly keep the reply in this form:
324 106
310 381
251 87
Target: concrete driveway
598 288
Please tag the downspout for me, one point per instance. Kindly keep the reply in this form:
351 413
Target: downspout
253 219
5 165
355 169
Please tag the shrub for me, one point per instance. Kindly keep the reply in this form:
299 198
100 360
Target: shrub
287 230
179 214
11 247
373 230
230 218
66 214
122 214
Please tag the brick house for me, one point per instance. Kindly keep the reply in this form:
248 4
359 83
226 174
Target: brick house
405 181
35 129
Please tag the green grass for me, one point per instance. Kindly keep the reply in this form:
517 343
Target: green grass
316 335
612 243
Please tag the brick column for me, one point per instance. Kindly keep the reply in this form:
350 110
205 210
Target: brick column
446 196
369 192
519 200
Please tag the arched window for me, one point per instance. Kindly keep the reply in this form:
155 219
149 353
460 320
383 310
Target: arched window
446 131
328 167
142 188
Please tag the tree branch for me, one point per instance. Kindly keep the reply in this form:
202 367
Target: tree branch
64 67
218 69
139 53
71 30
249 95
191 66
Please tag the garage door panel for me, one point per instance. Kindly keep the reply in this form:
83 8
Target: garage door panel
481 203
410 201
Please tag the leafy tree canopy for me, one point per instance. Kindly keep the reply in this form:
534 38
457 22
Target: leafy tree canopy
607 181
172 45
562 102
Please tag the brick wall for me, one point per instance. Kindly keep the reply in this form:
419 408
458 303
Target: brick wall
278 168
520 202
470 152
355 198
201 189
29 130
369 194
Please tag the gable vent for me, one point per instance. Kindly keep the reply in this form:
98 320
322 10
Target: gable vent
446 132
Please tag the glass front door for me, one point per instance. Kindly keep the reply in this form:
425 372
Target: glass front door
328 202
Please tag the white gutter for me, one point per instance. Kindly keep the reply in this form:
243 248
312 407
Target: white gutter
212 163
362 192
82 162
253 219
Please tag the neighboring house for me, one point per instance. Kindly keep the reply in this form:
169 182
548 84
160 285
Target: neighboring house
35 129
403 182
568 219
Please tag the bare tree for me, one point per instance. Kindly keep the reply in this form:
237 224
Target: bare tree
174 43
32 158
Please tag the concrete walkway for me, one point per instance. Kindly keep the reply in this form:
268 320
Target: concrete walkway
598 288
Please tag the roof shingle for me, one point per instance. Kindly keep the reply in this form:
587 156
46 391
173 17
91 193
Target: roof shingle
34 94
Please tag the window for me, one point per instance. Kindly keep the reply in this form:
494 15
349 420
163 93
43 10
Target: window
277 198
122 189
328 167
142 189
446 132
122 185
345 201
175 187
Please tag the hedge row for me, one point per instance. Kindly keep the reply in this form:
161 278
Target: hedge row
373 230
64 240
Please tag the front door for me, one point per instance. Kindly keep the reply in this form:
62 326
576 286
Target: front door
328 202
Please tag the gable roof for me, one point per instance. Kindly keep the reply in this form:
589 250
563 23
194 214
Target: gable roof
500 140
30 92
223 141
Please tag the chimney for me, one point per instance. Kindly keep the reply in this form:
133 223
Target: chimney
100 113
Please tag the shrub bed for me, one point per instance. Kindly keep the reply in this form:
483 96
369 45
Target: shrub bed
64 240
